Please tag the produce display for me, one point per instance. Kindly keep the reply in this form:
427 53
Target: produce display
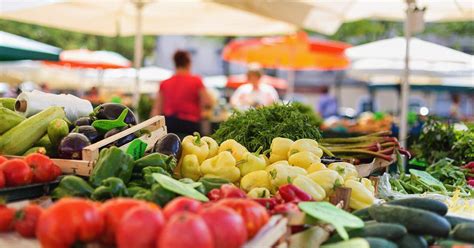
366 123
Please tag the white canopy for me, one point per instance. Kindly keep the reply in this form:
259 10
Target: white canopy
326 16
119 17
385 58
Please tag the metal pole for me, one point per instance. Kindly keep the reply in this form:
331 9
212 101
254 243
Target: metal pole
405 87
138 51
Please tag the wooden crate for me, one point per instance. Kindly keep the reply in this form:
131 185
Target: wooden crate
155 126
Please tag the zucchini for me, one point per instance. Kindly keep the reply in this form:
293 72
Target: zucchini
412 241
454 220
422 203
351 243
453 244
20 138
363 214
8 103
57 130
416 221
378 230
9 119
36 149
464 232
380 243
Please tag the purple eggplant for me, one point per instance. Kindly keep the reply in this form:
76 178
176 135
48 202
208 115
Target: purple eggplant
90 132
84 121
111 111
122 141
71 146
170 144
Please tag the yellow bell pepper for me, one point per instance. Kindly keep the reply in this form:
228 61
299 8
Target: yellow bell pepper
194 145
282 173
221 166
328 179
308 145
237 150
361 197
368 184
303 159
279 149
213 146
309 186
316 167
346 170
190 167
252 162
255 179
259 193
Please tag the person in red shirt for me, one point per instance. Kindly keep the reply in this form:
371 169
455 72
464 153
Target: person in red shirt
182 98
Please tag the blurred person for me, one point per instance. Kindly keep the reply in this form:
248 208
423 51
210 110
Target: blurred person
327 105
93 96
182 98
254 93
455 109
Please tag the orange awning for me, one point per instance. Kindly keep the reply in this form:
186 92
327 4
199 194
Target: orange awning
296 52
83 58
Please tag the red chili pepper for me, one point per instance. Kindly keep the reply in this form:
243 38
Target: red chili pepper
268 203
291 193
285 208
471 182
469 165
226 191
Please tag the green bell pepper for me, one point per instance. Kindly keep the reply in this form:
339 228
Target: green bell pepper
211 183
111 187
157 194
147 171
156 160
112 162
72 186
133 190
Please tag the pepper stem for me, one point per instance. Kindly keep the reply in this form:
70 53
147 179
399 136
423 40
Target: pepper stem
197 141
258 151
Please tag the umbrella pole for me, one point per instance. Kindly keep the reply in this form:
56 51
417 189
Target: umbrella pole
138 50
405 87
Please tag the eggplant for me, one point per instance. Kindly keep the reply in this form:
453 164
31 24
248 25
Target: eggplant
170 145
122 141
84 121
111 111
90 132
71 146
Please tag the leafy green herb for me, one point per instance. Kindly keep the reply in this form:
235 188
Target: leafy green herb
258 127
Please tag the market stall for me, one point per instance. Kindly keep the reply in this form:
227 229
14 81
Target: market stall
267 172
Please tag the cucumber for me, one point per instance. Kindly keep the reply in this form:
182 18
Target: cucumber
412 241
416 221
363 214
422 203
20 138
351 243
454 220
9 119
453 244
8 103
464 232
378 230
57 130
380 243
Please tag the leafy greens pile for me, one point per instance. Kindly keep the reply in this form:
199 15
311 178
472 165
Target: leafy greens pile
257 127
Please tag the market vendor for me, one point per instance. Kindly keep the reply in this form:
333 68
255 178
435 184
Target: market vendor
254 93
182 98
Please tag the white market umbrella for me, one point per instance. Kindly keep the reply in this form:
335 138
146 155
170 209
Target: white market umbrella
427 60
143 17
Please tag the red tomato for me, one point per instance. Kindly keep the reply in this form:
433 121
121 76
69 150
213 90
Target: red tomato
2 179
2 159
42 167
26 220
140 228
185 230
69 220
113 211
255 215
218 220
56 172
6 218
181 204
17 172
